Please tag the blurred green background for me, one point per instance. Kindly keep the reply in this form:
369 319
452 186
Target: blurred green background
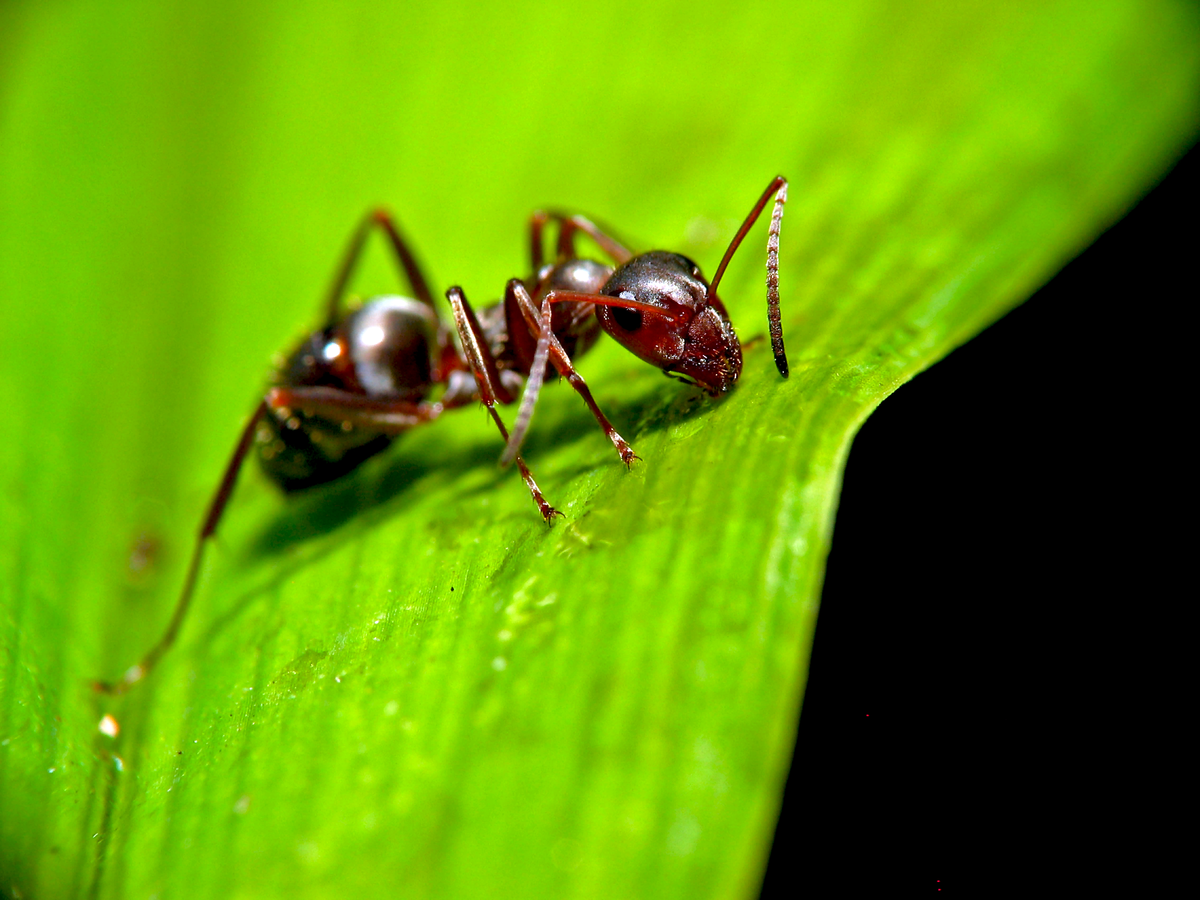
404 684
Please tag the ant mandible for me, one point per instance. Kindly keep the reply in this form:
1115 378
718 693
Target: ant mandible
365 376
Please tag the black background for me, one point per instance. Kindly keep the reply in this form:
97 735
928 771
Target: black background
976 678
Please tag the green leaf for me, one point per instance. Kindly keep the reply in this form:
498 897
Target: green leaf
404 684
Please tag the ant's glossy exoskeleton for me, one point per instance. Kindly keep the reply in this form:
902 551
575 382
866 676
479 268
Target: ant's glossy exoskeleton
366 375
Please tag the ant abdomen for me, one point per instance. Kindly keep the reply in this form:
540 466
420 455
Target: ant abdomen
391 344
383 350
302 451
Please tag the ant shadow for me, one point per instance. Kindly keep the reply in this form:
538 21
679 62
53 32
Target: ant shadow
375 489
380 483
320 511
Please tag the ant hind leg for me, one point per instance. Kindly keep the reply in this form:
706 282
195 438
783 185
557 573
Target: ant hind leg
208 528
376 218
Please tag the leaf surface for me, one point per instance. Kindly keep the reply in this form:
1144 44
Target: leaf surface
404 684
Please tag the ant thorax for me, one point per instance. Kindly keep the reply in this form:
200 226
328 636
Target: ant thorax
573 322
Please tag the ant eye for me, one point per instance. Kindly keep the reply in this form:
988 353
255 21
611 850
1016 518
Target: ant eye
628 319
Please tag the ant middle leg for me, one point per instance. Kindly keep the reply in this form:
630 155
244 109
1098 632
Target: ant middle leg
549 348
491 389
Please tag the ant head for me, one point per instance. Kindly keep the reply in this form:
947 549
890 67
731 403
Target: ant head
671 322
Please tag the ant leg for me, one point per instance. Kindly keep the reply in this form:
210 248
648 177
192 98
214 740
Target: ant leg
533 387
537 223
412 270
389 416
779 185
207 529
487 378
381 218
549 346
567 227
416 279
341 277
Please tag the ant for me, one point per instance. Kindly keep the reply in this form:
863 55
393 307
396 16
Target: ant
656 305
365 376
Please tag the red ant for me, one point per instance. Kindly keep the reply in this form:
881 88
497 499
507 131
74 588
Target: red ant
364 377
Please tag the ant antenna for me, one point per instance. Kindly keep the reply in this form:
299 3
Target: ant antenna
779 184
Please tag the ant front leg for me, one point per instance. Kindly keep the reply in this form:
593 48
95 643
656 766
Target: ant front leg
550 348
207 529
567 227
376 218
487 378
